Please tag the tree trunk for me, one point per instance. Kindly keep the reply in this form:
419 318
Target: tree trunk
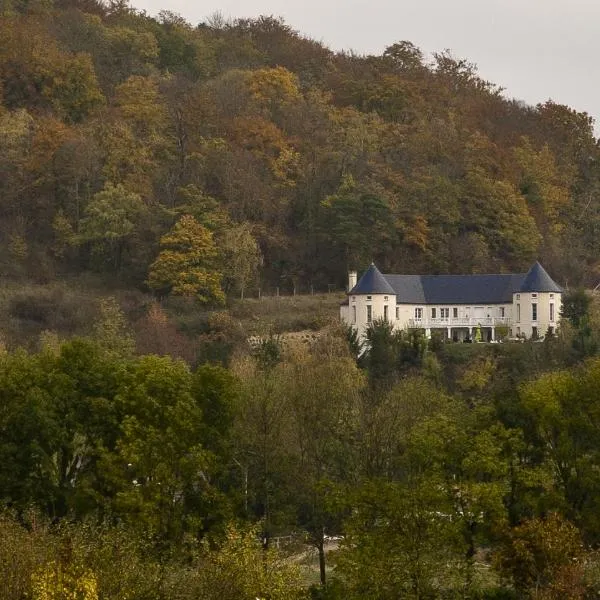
322 572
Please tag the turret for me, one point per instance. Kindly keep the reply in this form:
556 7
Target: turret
370 299
536 304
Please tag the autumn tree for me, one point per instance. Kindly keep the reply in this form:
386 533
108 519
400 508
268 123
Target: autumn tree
186 264
241 257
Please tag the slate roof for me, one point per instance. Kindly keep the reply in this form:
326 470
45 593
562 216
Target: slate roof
372 282
537 280
455 289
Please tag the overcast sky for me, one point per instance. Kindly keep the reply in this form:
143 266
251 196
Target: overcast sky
535 49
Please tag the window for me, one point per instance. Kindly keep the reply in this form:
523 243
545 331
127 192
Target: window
433 313
518 313
534 311
534 295
418 313
385 298
444 313
551 311
518 296
369 297
502 312
455 312
534 333
353 297
369 314
385 312
354 314
551 295
397 312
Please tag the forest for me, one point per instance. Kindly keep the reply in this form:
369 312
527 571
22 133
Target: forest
125 135
156 177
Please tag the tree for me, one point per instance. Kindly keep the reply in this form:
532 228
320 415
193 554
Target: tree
111 330
576 308
160 468
396 543
323 391
545 559
241 257
111 220
186 264
242 569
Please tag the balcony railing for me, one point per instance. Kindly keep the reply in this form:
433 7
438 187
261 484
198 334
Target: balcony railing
429 323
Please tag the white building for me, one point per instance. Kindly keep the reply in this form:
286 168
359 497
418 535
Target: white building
459 306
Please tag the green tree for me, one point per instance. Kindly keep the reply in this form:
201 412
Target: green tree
111 330
396 543
111 221
160 468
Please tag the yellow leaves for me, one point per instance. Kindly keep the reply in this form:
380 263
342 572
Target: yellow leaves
286 166
59 582
417 233
266 141
136 134
141 44
545 396
64 234
49 135
273 86
545 186
242 569
185 265
478 375
16 130
257 135
139 102
39 72
18 247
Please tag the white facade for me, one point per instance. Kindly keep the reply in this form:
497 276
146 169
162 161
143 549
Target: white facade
529 315
535 313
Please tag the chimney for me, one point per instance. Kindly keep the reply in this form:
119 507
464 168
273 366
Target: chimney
352 277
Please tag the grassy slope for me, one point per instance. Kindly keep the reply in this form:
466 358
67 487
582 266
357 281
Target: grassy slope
70 308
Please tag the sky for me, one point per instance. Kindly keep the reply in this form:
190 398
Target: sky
535 49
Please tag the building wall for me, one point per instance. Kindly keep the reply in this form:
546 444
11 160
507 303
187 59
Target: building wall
463 311
356 313
402 316
523 322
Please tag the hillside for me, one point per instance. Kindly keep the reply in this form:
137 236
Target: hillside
170 191
298 161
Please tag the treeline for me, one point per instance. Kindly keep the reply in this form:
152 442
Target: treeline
449 470
288 161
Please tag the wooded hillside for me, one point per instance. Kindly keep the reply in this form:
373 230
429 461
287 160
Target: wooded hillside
292 162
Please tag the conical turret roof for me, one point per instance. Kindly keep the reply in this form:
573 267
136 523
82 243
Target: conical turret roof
537 280
373 282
